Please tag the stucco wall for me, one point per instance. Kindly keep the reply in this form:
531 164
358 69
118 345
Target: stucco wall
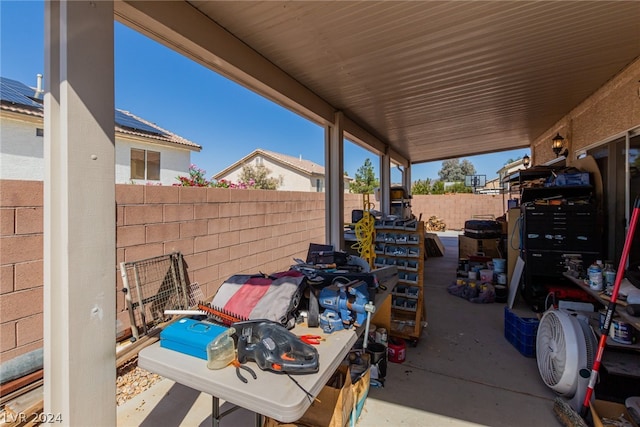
21 151
22 154
613 109
173 162
291 180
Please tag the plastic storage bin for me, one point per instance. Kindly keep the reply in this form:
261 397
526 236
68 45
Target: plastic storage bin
521 332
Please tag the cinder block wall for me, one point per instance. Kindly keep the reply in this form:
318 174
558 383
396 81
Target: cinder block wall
21 249
219 231
455 209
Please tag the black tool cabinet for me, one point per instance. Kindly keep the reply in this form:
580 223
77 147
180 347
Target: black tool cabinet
549 232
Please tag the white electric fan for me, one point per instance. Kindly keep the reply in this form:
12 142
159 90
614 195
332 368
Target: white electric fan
565 350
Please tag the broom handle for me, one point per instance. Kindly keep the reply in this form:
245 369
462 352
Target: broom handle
611 308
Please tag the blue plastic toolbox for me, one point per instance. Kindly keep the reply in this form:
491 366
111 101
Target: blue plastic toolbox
190 336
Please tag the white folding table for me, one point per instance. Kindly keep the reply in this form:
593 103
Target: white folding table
271 394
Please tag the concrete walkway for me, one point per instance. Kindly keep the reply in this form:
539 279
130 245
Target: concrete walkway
462 372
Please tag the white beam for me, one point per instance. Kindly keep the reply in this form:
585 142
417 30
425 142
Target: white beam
356 133
187 31
385 183
184 29
79 214
334 197
406 178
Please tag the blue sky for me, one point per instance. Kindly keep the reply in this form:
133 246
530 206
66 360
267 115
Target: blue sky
180 95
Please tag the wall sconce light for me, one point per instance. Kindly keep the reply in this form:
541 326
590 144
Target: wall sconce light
556 146
526 161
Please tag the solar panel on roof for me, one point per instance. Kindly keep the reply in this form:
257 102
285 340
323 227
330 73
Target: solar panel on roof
15 92
18 93
126 120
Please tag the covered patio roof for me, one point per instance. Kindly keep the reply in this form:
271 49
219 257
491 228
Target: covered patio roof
431 80
412 81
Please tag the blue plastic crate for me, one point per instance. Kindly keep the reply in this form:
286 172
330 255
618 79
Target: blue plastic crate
521 332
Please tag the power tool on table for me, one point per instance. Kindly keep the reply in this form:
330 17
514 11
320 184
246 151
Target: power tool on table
345 304
274 348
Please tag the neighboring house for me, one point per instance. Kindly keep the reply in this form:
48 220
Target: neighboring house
296 173
510 168
145 153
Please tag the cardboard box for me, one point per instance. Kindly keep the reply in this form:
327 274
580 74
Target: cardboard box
333 408
361 391
604 409
468 246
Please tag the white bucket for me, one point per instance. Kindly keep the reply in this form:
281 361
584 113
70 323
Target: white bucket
502 278
499 265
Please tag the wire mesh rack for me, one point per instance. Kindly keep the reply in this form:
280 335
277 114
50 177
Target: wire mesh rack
152 286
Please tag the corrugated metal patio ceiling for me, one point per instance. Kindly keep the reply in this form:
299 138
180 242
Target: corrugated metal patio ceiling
439 80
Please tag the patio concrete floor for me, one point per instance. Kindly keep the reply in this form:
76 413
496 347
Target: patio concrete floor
462 372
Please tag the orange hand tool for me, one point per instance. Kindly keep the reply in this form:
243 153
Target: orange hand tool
311 339
239 366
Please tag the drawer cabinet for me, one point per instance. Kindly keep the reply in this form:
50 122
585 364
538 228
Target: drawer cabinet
549 232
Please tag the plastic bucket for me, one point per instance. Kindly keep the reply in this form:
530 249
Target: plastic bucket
501 293
378 354
502 279
619 331
499 265
486 275
397 350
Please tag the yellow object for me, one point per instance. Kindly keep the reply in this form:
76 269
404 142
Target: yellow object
365 233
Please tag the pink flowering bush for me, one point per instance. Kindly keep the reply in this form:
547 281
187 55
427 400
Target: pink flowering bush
223 183
197 178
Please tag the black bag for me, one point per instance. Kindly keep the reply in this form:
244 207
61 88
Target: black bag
482 229
324 254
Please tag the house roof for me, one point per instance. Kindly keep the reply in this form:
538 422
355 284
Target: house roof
301 165
20 98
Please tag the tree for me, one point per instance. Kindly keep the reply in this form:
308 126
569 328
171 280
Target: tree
438 187
421 186
458 187
365 180
511 160
258 177
455 171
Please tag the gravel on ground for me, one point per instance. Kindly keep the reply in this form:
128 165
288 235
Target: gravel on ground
132 380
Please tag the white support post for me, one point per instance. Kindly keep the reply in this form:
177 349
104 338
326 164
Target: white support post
334 176
385 183
406 178
79 214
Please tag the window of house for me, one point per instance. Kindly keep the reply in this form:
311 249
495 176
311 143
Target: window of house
318 185
145 164
259 161
39 132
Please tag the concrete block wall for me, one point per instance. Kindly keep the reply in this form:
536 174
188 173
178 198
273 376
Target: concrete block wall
455 209
219 231
21 267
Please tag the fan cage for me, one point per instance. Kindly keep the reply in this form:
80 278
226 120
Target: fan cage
565 344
